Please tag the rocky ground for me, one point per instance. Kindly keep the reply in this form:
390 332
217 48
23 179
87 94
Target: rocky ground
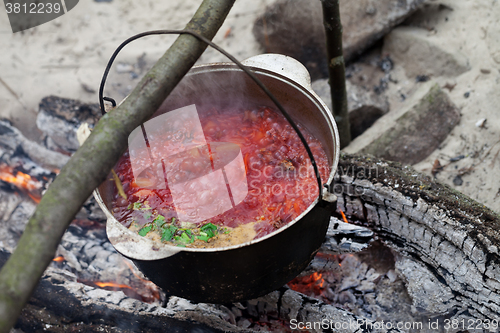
455 44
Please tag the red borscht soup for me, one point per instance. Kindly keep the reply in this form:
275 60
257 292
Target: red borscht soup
215 178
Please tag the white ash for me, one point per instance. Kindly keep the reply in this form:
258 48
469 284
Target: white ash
14 213
344 237
428 295
359 284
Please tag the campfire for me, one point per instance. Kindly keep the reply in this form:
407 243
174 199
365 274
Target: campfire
23 188
403 253
90 260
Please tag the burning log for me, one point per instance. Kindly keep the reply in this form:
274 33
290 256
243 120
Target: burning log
21 181
59 305
26 166
449 243
59 118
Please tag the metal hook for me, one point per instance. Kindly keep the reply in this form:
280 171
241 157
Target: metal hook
108 99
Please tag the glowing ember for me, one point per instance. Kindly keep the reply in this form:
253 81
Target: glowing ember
34 198
112 285
132 291
58 259
20 180
139 288
343 216
329 256
309 284
318 279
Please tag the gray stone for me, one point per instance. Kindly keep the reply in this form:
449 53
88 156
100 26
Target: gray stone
411 134
422 53
364 106
295 28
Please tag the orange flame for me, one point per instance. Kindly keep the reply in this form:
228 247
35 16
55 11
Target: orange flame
318 277
34 198
111 285
310 285
343 216
58 259
130 291
20 180
148 292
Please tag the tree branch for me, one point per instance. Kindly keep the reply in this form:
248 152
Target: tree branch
90 165
336 68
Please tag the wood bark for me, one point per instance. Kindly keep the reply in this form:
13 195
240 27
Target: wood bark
450 235
92 162
336 68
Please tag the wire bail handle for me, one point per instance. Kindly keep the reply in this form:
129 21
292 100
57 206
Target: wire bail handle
233 59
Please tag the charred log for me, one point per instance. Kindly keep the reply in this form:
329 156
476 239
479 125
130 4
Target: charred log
54 308
449 242
13 144
59 118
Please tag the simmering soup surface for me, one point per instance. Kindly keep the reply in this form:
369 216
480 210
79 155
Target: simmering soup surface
215 179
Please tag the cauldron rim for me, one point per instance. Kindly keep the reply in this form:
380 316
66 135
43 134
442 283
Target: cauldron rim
300 80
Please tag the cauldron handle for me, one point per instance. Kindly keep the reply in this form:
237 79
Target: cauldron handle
241 66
